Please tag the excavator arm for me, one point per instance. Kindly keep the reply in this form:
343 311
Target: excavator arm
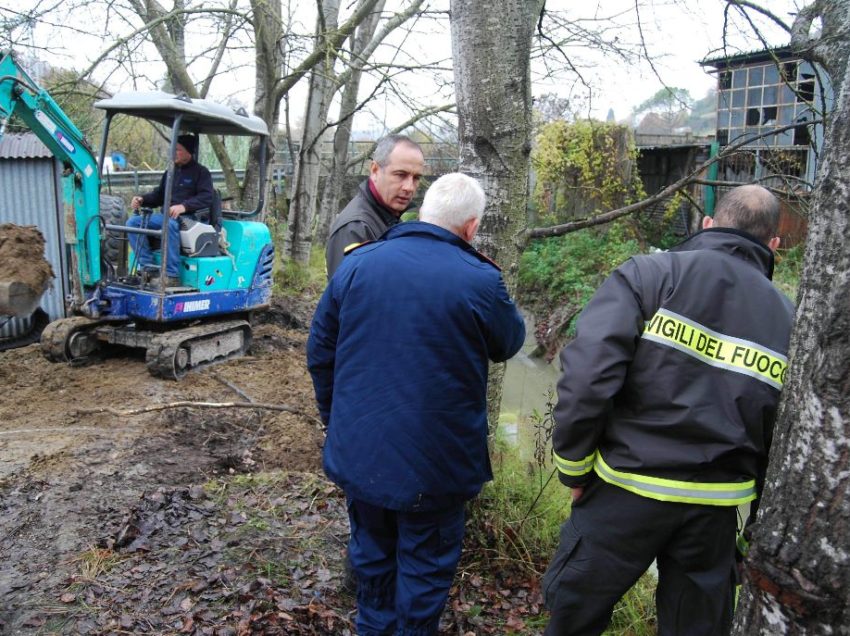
21 96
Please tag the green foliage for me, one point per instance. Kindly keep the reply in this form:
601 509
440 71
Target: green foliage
659 233
666 101
517 517
787 270
584 168
635 613
567 270
76 98
703 116
294 279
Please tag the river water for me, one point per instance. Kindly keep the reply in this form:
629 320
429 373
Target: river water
526 388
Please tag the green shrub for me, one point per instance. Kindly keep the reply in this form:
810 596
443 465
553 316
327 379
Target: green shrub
293 279
567 270
787 270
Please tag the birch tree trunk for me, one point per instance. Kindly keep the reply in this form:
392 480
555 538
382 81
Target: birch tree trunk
268 67
332 193
798 571
306 179
491 48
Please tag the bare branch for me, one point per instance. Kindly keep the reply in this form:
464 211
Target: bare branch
422 114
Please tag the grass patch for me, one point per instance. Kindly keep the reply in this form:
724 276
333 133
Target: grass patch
96 561
517 516
293 279
635 614
787 270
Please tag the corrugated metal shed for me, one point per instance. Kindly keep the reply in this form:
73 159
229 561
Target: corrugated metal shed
23 146
31 194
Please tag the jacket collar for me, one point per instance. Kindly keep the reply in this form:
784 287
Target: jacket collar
389 217
427 230
737 243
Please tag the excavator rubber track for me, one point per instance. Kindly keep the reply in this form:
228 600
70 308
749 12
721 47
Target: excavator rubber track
60 342
172 354
38 321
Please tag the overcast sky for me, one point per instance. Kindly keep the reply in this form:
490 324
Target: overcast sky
677 34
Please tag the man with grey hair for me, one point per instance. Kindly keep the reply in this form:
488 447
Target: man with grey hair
663 423
394 174
398 352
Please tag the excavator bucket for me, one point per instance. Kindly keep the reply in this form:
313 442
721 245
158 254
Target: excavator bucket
24 273
18 299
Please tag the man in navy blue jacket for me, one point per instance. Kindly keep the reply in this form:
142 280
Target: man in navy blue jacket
398 352
191 190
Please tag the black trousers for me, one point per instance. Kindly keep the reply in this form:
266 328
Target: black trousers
609 541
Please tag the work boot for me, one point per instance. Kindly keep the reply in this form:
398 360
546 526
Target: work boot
170 281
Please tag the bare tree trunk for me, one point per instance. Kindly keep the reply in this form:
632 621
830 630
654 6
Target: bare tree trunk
268 61
798 571
332 193
306 181
491 47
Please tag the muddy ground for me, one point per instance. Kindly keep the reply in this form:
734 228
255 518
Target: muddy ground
115 519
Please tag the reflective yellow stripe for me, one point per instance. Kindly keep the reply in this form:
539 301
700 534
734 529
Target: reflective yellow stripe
575 469
350 246
710 494
718 350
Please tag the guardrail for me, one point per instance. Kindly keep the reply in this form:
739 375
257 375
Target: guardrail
137 180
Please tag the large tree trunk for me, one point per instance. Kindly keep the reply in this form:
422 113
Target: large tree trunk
491 46
798 571
306 181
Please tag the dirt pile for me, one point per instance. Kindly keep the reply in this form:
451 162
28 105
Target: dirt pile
24 272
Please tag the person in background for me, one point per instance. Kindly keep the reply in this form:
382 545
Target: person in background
394 174
664 418
398 352
191 190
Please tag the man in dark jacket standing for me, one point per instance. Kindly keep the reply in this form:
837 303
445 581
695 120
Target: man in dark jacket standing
394 175
191 190
398 351
664 419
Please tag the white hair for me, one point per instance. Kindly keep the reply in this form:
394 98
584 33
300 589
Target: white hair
452 200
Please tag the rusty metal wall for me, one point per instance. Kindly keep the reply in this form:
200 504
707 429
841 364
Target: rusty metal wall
31 194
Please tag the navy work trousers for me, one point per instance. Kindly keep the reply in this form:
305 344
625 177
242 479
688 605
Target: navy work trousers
609 541
404 563
142 248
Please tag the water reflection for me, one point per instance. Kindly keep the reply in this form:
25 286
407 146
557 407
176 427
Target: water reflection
527 385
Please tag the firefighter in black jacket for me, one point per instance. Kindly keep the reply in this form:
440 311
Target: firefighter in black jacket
664 419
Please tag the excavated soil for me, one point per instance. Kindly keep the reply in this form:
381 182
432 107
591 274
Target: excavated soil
22 257
86 471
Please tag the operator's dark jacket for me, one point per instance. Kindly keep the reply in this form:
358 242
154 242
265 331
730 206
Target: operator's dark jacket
363 219
671 386
192 187
398 352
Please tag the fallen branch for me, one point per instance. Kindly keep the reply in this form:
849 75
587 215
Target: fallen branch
197 405
233 388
